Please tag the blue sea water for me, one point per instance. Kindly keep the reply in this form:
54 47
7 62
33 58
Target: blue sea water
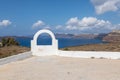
63 42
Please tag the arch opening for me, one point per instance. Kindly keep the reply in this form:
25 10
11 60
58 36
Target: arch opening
44 39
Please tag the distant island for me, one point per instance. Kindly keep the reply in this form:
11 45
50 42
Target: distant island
113 36
64 35
82 36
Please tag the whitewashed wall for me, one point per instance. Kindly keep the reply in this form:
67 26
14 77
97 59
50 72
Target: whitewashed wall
90 54
44 50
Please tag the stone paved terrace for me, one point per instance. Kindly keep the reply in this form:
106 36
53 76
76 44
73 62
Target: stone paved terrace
61 68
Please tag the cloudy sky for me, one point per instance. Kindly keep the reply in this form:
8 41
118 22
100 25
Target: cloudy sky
25 17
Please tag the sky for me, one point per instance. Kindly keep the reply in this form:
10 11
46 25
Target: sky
26 17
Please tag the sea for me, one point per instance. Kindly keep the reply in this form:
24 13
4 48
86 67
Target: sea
62 42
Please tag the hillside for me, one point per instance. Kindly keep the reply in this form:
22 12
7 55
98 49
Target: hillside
12 50
9 46
115 47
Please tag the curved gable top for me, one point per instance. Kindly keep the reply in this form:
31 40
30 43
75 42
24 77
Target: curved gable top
44 31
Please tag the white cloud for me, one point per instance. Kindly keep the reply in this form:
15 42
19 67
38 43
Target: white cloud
102 6
72 23
90 23
47 27
5 23
39 23
59 27
84 25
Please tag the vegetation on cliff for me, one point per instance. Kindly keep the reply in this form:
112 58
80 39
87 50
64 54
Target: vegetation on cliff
11 47
9 41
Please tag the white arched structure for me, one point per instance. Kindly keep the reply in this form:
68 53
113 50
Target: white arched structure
43 50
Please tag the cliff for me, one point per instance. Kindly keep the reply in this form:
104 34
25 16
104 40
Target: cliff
114 36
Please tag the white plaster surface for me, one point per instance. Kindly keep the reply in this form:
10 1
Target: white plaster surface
90 54
44 50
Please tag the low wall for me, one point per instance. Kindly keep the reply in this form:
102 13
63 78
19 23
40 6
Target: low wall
15 57
78 54
90 54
